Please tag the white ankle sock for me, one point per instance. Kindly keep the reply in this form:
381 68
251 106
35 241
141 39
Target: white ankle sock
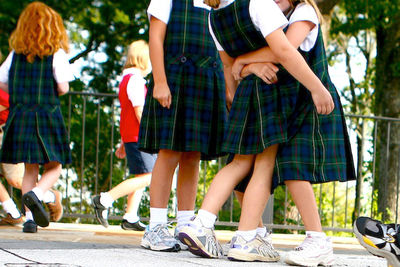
158 216
316 234
10 207
137 198
262 231
131 217
207 218
247 235
183 217
49 197
38 192
29 216
106 200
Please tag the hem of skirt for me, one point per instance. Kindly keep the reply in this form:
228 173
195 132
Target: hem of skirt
204 155
35 162
343 179
259 150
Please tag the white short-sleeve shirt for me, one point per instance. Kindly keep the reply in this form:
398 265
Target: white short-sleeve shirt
304 12
265 15
161 9
62 70
135 87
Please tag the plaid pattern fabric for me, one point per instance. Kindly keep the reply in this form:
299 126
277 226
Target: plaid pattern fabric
312 147
197 116
35 130
320 150
256 119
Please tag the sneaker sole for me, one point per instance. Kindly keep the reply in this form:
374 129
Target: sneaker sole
195 246
97 212
38 212
369 246
238 255
147 245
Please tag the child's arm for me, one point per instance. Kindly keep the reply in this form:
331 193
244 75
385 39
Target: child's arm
161 90
230 83
138 112
4 87
295 64
2 108
62 88
296 34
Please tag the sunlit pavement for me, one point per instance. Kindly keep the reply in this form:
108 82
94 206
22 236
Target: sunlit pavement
92 245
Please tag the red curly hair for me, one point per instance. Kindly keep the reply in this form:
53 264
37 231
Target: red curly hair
40 32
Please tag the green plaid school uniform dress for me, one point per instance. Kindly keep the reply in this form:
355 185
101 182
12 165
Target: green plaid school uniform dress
257 118
313 147
320 149
35 130
196 118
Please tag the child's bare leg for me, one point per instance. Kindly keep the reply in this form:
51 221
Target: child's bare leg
303 196
163 171
239 195
4 196
30 179
258 190
129 186
188 177
51 173
225 181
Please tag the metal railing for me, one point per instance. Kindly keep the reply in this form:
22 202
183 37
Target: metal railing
92 119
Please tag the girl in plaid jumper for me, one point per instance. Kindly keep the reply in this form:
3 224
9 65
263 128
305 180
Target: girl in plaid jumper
314 154
260 113
35 73
184 113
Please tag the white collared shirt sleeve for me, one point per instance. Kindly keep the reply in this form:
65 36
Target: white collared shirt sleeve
217 44
304 12
135 90
266 16
5 68
160 9
62 70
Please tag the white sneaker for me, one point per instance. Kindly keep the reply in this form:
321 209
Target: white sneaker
313 251
200 240
227 246
257 249
176 236
159 239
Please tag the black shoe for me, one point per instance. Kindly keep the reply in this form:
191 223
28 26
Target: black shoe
382 240
136 226
98 209
29 227
40 215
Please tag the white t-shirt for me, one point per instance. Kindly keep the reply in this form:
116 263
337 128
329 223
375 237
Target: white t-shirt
135 87
265 15
161 9
304 12
61 68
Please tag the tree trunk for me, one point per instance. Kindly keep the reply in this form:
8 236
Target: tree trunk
387 103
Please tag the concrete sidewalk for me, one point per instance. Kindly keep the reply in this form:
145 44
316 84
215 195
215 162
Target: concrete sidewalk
92 245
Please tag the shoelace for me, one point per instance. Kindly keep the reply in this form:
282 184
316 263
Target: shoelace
162 231
307 243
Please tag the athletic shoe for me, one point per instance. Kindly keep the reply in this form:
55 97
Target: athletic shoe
256 249
267 238
55 208
40 215
100 211
159 239
200 240
176 236
382 240
29 227
10 220
136 226
313 251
